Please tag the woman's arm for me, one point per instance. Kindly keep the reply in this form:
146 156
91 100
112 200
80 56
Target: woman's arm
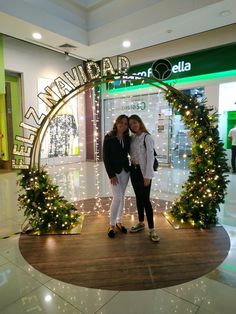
149 157
107 155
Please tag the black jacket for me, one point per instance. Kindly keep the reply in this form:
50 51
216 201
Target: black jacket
115 157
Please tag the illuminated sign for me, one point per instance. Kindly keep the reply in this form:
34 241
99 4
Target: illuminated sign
162 69
182 66
207 61
63 85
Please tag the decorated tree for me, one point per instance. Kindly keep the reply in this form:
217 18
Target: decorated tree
202 193
45 210
206 186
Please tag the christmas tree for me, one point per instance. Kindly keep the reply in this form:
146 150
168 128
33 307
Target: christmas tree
45 210
206 186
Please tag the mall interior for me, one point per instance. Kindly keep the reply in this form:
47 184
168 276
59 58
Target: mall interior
42 43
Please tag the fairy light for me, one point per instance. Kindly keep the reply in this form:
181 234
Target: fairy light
187 113
96 122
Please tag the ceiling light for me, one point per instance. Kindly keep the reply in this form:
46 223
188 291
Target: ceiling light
169 31
225 13
48 298
37 35
126 43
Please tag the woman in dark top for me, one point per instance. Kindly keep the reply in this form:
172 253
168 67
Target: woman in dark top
115 156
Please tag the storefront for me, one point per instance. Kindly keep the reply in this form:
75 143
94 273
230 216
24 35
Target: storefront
64 141
25 70
209 74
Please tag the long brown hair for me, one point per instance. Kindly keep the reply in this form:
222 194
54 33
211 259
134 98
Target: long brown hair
118 119
140 121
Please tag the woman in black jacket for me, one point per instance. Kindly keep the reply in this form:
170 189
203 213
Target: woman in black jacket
115 156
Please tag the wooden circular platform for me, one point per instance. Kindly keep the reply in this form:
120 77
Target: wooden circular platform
129 261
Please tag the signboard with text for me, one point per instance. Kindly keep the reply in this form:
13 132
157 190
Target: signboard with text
208 61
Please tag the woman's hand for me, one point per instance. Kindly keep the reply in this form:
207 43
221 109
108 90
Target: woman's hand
114 180
146 182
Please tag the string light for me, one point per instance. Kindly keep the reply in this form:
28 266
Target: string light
199 196
192 114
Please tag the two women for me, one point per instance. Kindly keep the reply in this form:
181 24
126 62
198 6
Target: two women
141 150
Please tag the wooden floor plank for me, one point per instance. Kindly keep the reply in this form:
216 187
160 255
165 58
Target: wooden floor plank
129 261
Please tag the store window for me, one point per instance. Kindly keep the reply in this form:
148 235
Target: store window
227 113
172 141
65 136
180 140
153 110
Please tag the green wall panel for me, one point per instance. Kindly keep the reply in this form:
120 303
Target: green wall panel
3 129
16 103
231 122
2 76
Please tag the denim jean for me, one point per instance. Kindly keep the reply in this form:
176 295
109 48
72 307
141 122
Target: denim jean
233 157
118 191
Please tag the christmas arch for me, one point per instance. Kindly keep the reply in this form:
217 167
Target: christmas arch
47 211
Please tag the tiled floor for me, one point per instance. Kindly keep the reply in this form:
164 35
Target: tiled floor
25 290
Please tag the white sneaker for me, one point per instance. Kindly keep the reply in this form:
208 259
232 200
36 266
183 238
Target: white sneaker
154 236
138 227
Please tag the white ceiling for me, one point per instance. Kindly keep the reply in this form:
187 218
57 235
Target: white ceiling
97 28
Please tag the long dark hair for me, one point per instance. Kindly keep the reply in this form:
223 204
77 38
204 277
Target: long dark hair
140 121
118 119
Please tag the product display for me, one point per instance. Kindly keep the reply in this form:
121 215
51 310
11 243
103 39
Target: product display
63 130
65 134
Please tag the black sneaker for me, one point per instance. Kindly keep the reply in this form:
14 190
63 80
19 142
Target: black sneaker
121 228
111 233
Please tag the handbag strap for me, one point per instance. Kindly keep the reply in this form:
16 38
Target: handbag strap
144 143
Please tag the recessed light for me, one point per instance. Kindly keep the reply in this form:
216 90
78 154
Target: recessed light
48 298
37 35
225 13
126 43
169 31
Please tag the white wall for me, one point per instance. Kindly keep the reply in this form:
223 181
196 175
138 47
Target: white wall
213 38
34 62
209 39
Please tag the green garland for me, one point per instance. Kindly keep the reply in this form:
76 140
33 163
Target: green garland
206 186
198 202
45 210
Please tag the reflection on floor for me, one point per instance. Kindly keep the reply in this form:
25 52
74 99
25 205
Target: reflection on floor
25 290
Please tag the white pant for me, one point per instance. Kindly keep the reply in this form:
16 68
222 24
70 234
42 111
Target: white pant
118 191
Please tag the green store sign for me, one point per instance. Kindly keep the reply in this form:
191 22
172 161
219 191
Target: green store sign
218 62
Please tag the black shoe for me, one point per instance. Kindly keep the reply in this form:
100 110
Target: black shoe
121 228
111 233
